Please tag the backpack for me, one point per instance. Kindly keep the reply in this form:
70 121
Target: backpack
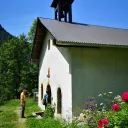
44 101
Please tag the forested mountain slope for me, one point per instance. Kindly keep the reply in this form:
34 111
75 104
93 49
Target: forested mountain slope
4 35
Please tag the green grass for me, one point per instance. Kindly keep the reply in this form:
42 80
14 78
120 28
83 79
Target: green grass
8 117
31 107
43 123
32 122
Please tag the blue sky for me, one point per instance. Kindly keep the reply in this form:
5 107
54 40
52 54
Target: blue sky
16 16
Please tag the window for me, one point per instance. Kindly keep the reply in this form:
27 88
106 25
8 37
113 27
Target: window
59 101
42 91
49 44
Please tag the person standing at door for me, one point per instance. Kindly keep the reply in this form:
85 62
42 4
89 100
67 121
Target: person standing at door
46 99
23 102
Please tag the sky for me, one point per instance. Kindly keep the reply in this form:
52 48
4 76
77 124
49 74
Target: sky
16 16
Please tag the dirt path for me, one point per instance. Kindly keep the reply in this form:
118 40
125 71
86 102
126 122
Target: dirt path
21 121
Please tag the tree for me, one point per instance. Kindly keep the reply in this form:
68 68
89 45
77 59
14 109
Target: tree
32 31
16 72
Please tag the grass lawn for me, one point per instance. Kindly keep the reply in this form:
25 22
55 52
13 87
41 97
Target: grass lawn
10 117
32 122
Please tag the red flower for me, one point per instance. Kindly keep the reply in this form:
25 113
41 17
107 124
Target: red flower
105 121
125 97
102 122
115 107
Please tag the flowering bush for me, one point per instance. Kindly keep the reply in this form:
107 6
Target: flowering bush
112 112
119 118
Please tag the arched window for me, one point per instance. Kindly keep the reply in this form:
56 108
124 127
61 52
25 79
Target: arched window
42 91
49 92
49 44
59 101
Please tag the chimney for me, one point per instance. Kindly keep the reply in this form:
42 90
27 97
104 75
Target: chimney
63 8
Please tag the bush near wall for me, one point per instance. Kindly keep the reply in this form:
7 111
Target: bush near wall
110 113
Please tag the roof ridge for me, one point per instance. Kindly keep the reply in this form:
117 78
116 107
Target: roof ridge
84 24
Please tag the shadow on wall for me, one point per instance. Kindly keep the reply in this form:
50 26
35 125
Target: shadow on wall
44 47
64 51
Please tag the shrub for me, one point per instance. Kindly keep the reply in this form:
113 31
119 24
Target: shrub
49 111
119 118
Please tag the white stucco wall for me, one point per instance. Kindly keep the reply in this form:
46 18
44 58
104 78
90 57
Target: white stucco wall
58 59
81 72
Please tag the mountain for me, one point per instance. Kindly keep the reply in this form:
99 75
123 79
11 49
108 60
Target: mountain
4 35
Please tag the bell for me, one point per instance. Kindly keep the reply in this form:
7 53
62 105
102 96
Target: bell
62 14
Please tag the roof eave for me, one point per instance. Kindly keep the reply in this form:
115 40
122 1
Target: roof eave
87 44
37 43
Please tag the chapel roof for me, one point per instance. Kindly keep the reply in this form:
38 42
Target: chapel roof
77 33
85 33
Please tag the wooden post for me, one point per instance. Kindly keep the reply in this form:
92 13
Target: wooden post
59 10
55 14
65 18
70 14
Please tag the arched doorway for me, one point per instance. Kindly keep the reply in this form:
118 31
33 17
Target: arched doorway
49 92
42 93
59 101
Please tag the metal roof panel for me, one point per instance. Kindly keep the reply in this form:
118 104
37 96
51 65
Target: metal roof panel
85 33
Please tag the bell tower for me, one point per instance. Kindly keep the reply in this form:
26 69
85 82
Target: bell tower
63 9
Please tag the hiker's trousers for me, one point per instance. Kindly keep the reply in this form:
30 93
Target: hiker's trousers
22 110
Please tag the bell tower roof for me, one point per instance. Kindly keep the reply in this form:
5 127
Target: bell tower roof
54 3
62 9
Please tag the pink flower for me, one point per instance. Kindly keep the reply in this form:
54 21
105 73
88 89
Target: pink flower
102 123
115 107
125 97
